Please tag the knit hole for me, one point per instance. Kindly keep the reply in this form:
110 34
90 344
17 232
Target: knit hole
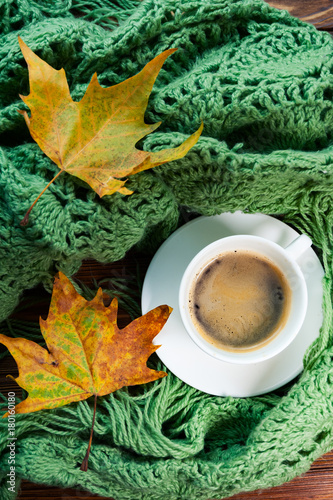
228 80
321 436
169 16
304 453
11 74
290 463
81 194
227 100
63 202
169 101
18 25
78 45
328 94
193 39
243 32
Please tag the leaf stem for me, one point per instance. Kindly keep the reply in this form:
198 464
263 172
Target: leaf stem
84 465
25 219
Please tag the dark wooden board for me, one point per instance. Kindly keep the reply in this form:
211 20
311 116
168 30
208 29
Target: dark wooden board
317 484
317 12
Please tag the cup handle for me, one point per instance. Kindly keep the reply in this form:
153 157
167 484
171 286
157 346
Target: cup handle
297 247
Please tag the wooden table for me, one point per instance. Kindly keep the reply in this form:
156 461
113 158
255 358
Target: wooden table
317 483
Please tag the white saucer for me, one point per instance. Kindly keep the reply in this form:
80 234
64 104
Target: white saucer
178 351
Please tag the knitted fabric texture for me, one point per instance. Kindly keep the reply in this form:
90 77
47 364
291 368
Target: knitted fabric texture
262 83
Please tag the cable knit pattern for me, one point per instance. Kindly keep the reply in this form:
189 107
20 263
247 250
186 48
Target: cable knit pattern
262 83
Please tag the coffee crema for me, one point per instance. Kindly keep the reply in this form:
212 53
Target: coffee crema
239 301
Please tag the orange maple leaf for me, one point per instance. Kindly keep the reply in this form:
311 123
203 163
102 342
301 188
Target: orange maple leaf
95 139
88 355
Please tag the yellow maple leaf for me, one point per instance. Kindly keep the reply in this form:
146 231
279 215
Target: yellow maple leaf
87 354
94 139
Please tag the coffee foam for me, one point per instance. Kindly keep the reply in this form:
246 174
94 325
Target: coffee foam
240 300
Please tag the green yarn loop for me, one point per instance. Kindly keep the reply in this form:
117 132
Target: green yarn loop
262 83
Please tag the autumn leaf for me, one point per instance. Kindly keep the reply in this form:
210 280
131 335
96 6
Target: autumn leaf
95 139
88 355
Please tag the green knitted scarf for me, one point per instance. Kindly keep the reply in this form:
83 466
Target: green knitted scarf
262 83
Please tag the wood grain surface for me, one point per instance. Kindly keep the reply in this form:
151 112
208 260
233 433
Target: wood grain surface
317 483
317 12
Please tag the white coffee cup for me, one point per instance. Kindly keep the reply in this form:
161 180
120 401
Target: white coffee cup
285 259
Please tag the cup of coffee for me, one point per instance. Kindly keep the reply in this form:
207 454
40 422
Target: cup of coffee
243 298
